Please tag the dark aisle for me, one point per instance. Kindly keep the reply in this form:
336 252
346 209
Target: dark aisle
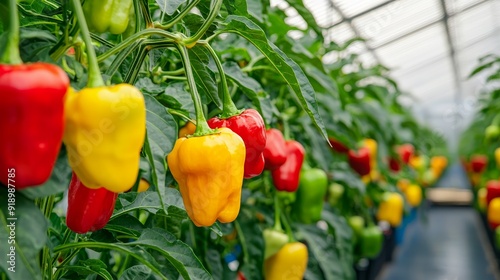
451 245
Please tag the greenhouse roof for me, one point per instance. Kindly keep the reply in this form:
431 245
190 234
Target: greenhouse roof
431 46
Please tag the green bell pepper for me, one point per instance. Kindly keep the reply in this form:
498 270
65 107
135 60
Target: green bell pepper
371 241
107 15
312 189
335 192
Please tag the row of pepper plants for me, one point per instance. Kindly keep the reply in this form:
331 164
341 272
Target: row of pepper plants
480 147
196 139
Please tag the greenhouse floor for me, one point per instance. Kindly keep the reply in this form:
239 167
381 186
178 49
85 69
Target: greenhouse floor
446 242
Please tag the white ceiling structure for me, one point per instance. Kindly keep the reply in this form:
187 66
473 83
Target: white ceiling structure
431 46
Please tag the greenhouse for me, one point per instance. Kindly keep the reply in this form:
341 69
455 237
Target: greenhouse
250 139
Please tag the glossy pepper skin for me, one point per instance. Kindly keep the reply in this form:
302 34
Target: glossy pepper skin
274 241
275 150
249 125
31 120
107 15
105 130
478 163
372 146
88 209
391 209
413 195
289 263
360 161
494 213
438 165
493 190
371 241
286 177
311 194
210 188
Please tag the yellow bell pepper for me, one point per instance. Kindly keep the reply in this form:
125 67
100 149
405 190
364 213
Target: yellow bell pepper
403 184
187 129
143 186
481 199
210 188
104 134
391 209
289 263
438 164
414 195
497 157
494 213
372 146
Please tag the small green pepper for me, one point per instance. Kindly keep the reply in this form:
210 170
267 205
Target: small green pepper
371 241
310 195
107 15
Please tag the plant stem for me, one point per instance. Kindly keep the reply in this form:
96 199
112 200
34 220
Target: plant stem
180 16
94 74
179 114
287 227
202 127
229 109
277 213
130 40
9 53
214 11
241 236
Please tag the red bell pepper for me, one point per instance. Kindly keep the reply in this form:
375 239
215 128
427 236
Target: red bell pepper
88 209
478 163
249 125
338 146
31 110
275 152
405 152
360 161
394 165
286 177
492 190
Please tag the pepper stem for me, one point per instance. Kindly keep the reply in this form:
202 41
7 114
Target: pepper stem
277 214
202 127
9 52
214 11
229 109
94 74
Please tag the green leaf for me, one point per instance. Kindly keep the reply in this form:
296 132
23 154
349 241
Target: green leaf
137 272
58 181
307 16
286 68
321 245
203 76
170 6
343 240
149 201
252 242
89 267
24 229
176 252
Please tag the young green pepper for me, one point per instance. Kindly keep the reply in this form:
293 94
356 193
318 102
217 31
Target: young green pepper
335 193
107 15
371 241
310 195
